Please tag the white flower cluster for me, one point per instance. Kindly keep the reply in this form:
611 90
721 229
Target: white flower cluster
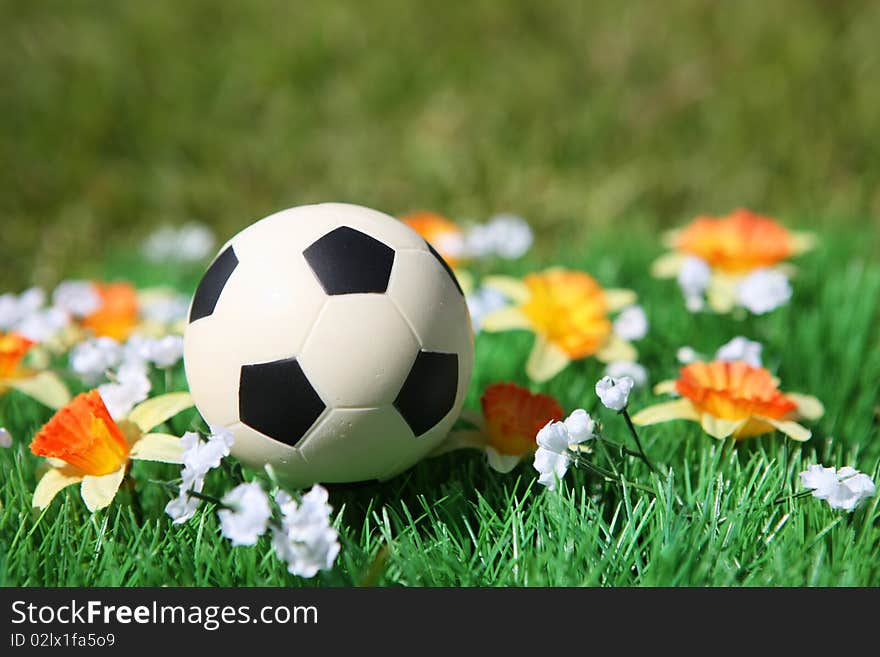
306 540
555 443
247 514
738 349
844 488
189 243
759 292
27 315
5 438
126 365
199 458
484 301
505 235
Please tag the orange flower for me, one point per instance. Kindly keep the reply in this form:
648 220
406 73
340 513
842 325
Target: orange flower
84 435
508 428
13 348
569 313
714 257
118 314
441 233
84 444
43 386
739 242
514 416
733 399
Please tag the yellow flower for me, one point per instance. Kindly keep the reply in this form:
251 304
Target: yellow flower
733 399
84 444
568 311
44 386
732 247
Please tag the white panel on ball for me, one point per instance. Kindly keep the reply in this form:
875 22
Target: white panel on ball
332 341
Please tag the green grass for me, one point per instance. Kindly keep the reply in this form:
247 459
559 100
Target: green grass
116 117
451 521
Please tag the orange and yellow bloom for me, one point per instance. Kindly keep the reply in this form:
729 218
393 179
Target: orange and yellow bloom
117 315
508 426
44 386
568 311
443 234
731 248
83 444
733 399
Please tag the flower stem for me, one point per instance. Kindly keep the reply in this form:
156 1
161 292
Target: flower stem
632 430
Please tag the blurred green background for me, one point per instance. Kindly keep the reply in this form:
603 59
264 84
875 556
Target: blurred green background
119 117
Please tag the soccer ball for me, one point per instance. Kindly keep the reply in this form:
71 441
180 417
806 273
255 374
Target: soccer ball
333 342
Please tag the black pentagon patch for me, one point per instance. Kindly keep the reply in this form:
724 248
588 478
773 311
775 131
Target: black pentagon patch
347 261
446 267
277 400
428 393
212 283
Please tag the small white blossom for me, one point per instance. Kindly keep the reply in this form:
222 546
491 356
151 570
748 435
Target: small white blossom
184 506
189 243
634 371
481 302
844 489
44 324
686 355
763 290
163 352
79 298
306 540
506 235
131 387
5 438
614 393
92 358
165 309
631 323
204 455
741 349
199 458
553 456
693 279
247 516
167 351
15 308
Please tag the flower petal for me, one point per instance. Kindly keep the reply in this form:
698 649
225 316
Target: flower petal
667 265
505 319
680 409
619 298
665 388
718 427
45 387
808 407
546 360
499 462
98 492
53 482
158 447
616 349
721 294
801 242
793 430
157 410
513 288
